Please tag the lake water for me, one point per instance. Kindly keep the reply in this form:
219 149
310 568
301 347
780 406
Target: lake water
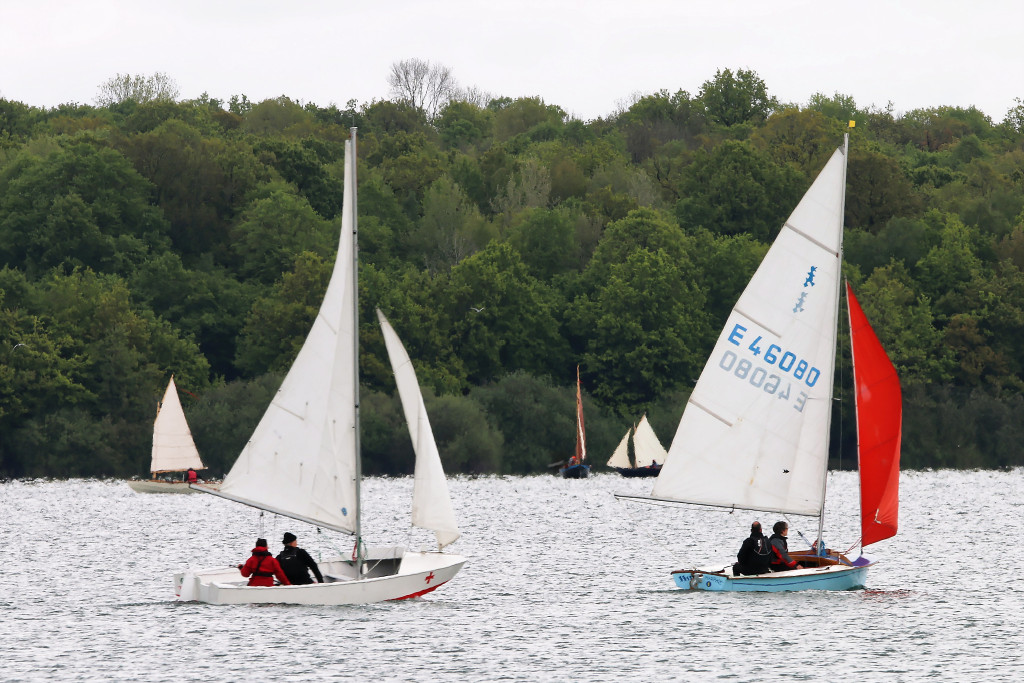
563 582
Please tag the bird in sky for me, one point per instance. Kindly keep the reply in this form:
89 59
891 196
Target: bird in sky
475 309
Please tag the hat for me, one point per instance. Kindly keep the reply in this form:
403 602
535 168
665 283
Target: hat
288 537
261 542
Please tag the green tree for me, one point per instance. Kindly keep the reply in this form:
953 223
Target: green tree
276 228
80 206
729 99
735 189
500 317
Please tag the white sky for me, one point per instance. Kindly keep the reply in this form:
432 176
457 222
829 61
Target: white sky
586 56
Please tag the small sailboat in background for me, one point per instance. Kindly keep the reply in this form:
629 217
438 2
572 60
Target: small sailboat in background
648 453
303 460
755 431
576 468
174 451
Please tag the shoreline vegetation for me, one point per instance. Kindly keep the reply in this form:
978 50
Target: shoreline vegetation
145 236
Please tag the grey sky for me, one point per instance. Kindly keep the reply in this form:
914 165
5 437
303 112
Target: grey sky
586 57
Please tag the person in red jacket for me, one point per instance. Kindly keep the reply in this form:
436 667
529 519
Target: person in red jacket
261 568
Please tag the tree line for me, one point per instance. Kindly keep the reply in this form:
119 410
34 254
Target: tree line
507 242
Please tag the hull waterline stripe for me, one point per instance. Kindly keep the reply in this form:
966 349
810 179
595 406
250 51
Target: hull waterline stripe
419 593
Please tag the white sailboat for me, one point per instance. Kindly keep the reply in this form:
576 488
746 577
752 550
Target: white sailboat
303 460
755 431
174 451
648 453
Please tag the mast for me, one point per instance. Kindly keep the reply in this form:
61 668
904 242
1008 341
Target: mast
828 430
355 352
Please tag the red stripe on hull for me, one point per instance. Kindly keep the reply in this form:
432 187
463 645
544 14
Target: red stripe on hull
419 593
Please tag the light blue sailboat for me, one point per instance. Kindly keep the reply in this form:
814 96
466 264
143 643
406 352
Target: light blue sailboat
755 432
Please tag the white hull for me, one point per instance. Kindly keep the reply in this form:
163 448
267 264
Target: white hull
158 486
417 573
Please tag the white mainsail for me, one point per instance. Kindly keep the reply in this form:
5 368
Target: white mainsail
431 503
173 447
620 456
754 434
301 459
647 450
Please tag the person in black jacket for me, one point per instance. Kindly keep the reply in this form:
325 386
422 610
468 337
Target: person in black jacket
781 561
297 563
755 554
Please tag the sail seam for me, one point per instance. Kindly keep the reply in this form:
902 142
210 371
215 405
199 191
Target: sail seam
811 239
712 413
756 322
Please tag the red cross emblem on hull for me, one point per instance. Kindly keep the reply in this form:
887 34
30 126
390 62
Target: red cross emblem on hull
430 577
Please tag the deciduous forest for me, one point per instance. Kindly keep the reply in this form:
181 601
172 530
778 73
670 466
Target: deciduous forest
145 236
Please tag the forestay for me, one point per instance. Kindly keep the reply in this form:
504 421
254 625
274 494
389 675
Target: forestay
301 459
754 433
431 503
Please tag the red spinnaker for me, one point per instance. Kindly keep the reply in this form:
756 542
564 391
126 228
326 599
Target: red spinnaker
879 428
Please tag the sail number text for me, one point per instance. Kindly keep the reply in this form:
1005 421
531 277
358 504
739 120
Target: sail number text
776 357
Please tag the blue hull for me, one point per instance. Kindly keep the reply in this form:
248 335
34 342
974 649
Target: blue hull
575 471
834 578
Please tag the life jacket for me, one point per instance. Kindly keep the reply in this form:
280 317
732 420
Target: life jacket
259 565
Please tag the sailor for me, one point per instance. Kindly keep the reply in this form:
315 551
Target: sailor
191 476
262 567
755 554
781 561
296 562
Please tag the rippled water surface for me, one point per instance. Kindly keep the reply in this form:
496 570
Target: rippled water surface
563 582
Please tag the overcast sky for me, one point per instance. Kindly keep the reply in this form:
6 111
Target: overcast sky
587 56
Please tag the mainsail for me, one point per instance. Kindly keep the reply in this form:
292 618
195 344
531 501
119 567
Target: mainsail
173 447
431 504
301 458
879 428
581 434
754 434
647 450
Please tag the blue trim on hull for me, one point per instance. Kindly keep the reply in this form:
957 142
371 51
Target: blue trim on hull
835 579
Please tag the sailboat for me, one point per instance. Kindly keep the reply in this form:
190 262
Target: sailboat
576 468
303 462
646 449
755 432
174 451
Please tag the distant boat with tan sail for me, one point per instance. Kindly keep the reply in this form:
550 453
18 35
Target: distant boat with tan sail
174 451
648 453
